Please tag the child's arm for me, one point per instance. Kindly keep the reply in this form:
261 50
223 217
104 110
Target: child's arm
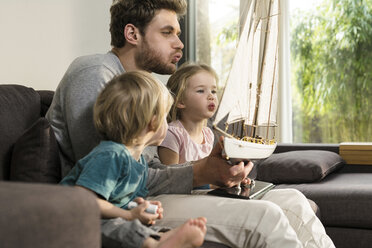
167 156
109 211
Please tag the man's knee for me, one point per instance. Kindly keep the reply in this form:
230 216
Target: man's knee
286 197
271 211
274 229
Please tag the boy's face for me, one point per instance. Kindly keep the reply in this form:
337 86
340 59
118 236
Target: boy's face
160 48
160 134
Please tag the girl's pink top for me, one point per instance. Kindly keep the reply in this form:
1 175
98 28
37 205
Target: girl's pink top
179 141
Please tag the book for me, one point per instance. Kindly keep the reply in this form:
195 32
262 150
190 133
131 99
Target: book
254 191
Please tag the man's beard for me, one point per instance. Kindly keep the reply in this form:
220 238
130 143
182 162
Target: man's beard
150 60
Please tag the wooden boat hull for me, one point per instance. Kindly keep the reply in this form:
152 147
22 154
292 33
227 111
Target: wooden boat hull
237 149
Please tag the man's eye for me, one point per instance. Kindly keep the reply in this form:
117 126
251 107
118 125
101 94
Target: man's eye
166 32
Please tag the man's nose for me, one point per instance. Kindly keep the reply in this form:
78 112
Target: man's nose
178 43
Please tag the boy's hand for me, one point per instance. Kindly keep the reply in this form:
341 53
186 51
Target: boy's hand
140 213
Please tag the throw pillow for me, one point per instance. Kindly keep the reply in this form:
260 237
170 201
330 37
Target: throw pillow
298 166
19 108
35 155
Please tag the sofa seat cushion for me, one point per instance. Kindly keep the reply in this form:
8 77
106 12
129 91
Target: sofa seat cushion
19 109
35 155
350 237
344 199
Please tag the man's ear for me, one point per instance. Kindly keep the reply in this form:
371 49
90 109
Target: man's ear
131 34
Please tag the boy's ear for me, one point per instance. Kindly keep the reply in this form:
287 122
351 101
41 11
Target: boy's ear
131 34
153 125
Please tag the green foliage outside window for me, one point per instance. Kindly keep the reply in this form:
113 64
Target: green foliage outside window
331 60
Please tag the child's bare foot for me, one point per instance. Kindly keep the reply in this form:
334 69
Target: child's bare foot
189 235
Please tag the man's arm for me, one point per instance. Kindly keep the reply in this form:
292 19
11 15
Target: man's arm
80 97
181 179
170 179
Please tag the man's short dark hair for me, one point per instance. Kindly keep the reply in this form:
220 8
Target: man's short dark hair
139 13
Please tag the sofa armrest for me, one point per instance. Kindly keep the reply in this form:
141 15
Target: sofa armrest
48 216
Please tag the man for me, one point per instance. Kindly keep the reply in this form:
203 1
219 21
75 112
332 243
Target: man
144 35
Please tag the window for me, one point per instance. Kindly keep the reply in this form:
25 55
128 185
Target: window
330 77
213 33
331 70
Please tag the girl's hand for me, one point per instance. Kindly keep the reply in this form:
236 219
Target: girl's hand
140 213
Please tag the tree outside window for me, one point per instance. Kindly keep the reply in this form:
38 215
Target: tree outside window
331 60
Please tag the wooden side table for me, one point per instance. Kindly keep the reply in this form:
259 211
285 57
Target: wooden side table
356 152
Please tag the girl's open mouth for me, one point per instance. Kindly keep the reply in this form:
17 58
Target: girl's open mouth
211 107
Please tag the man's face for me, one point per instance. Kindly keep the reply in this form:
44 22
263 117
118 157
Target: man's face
160 48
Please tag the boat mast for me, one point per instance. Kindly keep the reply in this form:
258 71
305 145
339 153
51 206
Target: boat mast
274 76
259 83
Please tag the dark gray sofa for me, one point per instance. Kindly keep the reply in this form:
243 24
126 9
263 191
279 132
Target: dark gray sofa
35 212
38 213
344 198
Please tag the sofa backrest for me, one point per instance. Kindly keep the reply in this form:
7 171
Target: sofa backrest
28 149
19 108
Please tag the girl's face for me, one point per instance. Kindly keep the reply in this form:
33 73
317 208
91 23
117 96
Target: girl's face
200 99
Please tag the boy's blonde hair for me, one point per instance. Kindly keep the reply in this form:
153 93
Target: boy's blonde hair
177 84
127 105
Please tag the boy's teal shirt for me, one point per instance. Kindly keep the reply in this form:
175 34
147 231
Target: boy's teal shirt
110 171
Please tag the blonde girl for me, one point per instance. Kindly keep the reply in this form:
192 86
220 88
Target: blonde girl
194 88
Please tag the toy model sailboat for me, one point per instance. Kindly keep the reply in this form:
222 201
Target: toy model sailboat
249 103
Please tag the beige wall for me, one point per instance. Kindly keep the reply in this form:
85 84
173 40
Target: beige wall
40 38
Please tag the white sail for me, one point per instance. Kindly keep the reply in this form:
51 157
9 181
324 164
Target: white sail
269 89
255 66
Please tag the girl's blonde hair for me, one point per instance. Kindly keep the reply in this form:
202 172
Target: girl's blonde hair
127 105
177 84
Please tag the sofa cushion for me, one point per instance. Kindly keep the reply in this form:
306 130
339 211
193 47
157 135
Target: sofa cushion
35 155
298 166
46 97
344 199
48 216
19 108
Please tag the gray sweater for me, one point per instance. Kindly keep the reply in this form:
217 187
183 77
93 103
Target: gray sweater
71 117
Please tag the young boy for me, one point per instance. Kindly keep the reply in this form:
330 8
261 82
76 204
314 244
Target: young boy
130 114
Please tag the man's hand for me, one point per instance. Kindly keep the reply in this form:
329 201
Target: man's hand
215 169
